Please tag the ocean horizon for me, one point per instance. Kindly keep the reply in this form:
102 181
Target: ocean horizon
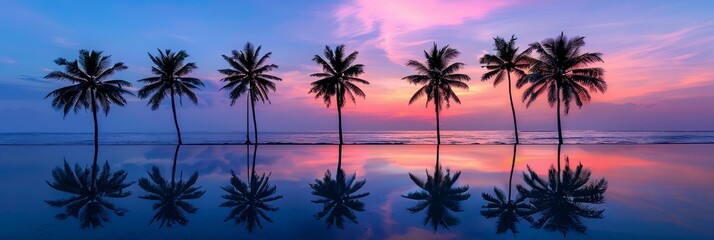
367 137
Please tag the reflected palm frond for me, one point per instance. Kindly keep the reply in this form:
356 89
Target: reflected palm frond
439 196
339 197
563 200
89 201
507 211
171 197
250 200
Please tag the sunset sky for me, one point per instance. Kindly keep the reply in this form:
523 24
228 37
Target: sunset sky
659 58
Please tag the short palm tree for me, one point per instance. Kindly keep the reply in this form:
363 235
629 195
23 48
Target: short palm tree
561 69
338 77
170 80
505 61
439 196
249 74
250 200
170 196
439 76
90 194
91 86
338 196
507 210
563 199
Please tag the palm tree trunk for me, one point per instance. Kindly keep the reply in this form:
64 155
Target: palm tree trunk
173 108
437 100
339 159
437 156
173 168
247 120
96 140
560 131
558 185
339 113
513 165
513 109
255 154
255 123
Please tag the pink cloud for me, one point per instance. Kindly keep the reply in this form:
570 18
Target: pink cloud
400 24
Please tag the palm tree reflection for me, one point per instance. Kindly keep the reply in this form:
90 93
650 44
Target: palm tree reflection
91 190
564 198
170 196
507 211
250 200
339 197
439 196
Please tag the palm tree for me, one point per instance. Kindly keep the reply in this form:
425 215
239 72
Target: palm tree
338 196
90 87
170 80
170 196
506 210
338 77
563 199
439 196
249 74
439 77
250 200
90 195
506 60
561 69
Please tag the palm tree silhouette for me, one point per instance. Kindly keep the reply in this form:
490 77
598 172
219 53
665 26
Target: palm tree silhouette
170 196
169 80
339 75
438 75
506 210
563 199
90 192
250 200
438 196
562 70
249 75
506 60
90 87
338 196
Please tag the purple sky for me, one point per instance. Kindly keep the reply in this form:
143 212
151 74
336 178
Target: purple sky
658 56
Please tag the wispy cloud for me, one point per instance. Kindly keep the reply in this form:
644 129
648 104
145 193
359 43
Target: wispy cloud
64 42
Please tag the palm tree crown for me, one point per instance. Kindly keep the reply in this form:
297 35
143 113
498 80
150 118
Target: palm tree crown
170 81
249 74
91 87
339 197
507 59
439 76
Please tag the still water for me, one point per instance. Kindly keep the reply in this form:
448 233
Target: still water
620 192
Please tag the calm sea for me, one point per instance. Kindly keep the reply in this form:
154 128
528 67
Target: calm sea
366 137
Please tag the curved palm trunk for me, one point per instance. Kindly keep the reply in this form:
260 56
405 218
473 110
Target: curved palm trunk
560 131
513 109
96 140
559 182
437 100
255 123
339 113
513 165
339 159
247 120
173 168
173 109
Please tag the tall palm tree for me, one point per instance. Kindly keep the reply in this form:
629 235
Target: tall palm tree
564 198
561 69
250 200
439 76
91 86
170 196
505 209
90 194
338 77
249 74
338 196
439 196
507 59
170 80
